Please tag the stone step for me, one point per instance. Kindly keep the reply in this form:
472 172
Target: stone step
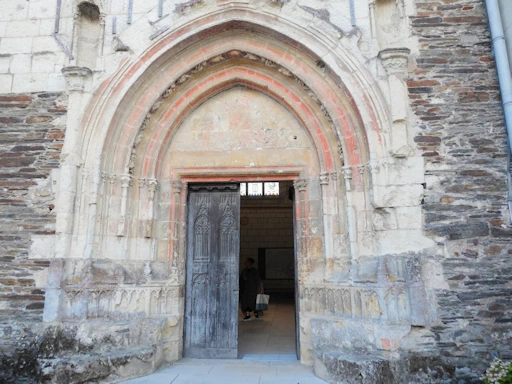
342 368
111 367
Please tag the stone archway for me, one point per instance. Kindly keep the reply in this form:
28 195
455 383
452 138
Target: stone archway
121 241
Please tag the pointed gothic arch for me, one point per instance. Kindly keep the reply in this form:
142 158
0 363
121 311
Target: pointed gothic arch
134 211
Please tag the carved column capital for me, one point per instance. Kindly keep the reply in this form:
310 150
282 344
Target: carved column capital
126 181
301 184
347 172
76 77
177 186
395 60
152 185
324 178
373 167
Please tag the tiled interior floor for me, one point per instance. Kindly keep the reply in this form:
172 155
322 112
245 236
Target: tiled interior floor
271 334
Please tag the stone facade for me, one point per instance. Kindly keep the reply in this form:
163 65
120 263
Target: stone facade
32 134
385 115
465 198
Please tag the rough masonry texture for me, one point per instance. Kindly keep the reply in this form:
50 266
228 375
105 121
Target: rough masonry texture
382 116
32 133
455 95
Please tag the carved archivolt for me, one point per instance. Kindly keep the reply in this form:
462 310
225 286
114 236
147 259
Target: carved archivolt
216 60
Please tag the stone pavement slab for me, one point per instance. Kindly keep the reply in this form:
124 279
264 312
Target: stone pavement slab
215 371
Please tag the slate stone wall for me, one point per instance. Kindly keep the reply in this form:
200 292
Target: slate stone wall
31 136
454 93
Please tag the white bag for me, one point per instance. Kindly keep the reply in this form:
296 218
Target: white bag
262 302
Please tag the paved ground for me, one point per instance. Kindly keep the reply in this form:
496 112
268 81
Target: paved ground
272 334
199 371
267 355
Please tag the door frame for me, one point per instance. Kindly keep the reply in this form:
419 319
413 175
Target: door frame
212 175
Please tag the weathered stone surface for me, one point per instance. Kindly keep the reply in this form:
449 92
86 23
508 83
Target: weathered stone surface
29 150
389 126
455 96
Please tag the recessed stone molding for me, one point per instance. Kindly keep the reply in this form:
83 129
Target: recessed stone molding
211 62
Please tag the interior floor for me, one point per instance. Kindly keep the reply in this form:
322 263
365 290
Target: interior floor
271 334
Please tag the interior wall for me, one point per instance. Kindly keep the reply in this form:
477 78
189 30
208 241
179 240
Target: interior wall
267 222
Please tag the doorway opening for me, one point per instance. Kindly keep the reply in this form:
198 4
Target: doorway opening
267 237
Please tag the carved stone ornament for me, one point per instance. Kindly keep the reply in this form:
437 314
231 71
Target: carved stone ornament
183 78
373 167
324 178
301 184
119 46
177 186
76 77
126 181
347 172
395 60
152 187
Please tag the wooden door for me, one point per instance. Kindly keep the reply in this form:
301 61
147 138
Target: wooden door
213 246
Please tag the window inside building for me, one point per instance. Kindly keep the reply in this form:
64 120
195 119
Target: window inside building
260 189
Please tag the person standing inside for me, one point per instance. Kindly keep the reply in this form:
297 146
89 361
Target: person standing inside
250 286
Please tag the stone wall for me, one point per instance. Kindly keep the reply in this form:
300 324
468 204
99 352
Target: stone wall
454 94
365 210
31 136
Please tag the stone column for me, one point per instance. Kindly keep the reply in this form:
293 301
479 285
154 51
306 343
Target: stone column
76 78
126 182
301 230
94 191
174 247
351 213
101 44
148 225
182 233
327 215
394 61
373 21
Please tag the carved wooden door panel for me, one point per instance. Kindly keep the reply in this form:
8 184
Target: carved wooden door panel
211 309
